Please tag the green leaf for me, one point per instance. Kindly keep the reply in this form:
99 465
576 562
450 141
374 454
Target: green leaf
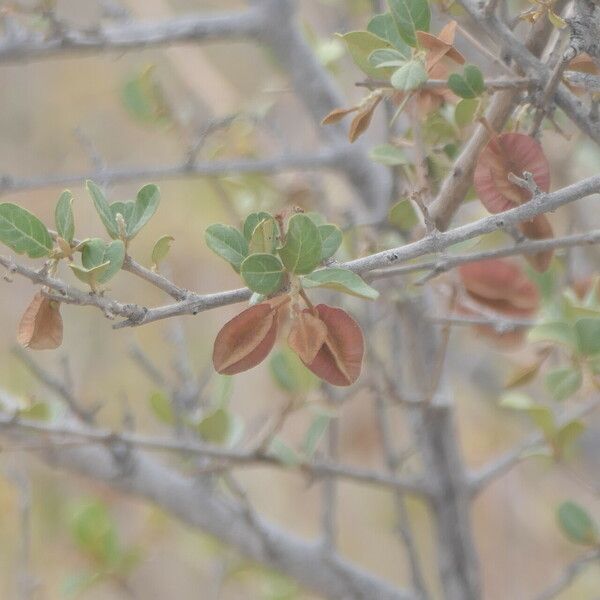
125 209
410 76
410 16
262 273
389 155
361 45
464 113
23 232
386 57
384 26
90 276
541 415
38 411
144 99
103 209
215 427
577 524
331 240
161 407
252 220
556 20
228 243
403 216
161 249
587 331
63 216
468 85
316 430
145 206
317 218
563 382
302 250
96 252
341 280
555 331
566 436
283 453
264 237
289 372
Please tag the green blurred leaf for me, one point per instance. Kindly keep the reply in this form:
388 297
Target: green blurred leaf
38 411
403 216
23 232
556 331
563 382
566 436
161 407
409 76
341 280
465 111
262 273
384 26
228 243
97 252
160 250
103 209
144 99
410 16
215 427
63 216
289 373
283 453
389 155
302 250
318 427
331 240
587 331
576 524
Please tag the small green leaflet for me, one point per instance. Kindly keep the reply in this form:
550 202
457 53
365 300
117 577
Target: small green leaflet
161 407
262 273
160 250
331 239
96 252
563 382
215 427
465 111
63 216
577 524
283 453
90 276
469 85
289 372
409 76
103 209
315 433
389 155
144 98
410 16
384 26
553 331
341 280
302 250
228 243
587 331
145 206
403 216
252 220
23 232
264 237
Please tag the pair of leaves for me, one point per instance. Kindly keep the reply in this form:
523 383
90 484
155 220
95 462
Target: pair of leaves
41 326
469 85
134 214
100 260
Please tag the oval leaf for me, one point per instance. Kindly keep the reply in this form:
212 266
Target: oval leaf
228 243
331 240
341 280
264 237
577 524
63 216
409 76
41 327
410 16
302 250
23 232
97 252
145 206
307 335
262 273
103 209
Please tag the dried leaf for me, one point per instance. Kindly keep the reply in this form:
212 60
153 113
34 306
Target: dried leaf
41 327
307 335
337 114
339 361
538 228
362 120
504 154
437 49
246 340
501 285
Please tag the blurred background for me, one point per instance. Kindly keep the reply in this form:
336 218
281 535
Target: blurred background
71 114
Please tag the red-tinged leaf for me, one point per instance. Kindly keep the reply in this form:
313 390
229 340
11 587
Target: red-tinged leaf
584 63
362 120
438 49
41 327
246 340
307 335
500 285
538 228
339 361
509 153
337 114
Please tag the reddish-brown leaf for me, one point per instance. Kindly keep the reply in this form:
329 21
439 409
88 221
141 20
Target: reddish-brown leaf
509 153
246 340
500 285
362 120
337 114
339 361
41 327
538 228
440 47
584 63
307 335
